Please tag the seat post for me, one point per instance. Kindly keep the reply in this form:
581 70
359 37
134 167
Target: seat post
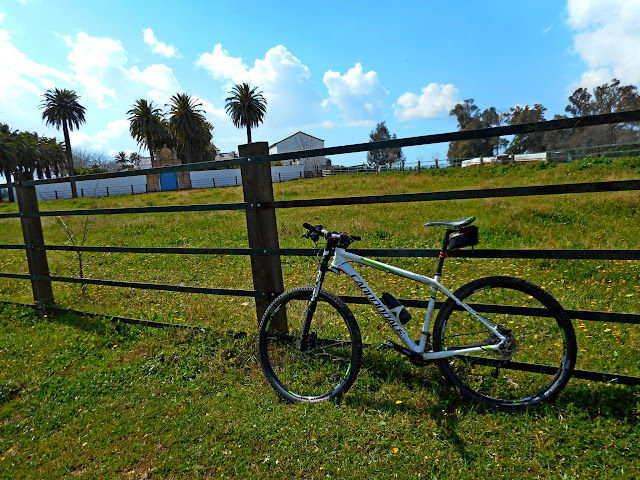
443 252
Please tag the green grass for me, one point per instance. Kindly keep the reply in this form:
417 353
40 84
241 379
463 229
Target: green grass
86 399
82 398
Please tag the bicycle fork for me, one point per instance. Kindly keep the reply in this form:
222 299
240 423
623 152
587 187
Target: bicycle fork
306 340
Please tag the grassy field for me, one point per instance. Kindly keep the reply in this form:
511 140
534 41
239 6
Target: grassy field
83 398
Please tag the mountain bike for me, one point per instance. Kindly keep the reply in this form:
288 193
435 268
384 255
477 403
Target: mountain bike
502 341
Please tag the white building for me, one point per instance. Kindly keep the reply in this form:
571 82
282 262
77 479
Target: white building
505 159
298 142
226 156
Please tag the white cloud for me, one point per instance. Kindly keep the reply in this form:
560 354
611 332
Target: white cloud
278 64
23 81
591 79
157 46
434 101
358 95
223 66
213 114
547 29
99 65
292 99
607 38
1 17
116 129
158 80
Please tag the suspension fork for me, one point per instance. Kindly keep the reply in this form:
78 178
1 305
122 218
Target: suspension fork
313 303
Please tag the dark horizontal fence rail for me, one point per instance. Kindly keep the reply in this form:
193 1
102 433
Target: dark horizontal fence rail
371 252
533 190
558 189
141 285
613 317
550 125
577 373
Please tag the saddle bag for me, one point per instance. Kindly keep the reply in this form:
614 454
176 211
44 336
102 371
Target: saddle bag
467 237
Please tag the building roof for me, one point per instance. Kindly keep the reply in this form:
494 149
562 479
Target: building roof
270 146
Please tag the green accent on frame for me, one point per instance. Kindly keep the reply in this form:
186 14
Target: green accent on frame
377 264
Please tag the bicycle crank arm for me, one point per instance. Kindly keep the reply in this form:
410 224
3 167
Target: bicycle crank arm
403 350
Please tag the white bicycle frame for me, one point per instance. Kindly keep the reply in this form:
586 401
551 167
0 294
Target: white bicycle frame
341 263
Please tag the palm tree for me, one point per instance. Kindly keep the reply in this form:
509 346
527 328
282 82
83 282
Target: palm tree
37 155
8 155
134 158
61 109
52 156
189 127
121 159
27 153
246 107
146 126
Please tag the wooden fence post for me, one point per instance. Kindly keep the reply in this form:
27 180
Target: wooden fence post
262 229
34 238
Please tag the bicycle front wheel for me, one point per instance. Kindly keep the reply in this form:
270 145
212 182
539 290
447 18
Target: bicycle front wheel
540 355
321 366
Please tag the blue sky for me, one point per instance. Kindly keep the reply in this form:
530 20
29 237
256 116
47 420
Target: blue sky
331 69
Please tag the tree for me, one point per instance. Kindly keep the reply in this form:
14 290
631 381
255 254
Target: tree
61 109
8 155
526 142
134 159
246 107
606 98
210 153
189 127
470 117
39 156
146 125
28 154
91 161
121 159
52 156
385 156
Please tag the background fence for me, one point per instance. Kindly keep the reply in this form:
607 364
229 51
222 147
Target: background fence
260 208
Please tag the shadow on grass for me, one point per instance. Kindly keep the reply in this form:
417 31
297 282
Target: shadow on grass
385 373
621 402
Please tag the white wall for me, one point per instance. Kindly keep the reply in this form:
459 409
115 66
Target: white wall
123 185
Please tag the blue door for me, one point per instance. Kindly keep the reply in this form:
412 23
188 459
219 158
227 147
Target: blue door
168 181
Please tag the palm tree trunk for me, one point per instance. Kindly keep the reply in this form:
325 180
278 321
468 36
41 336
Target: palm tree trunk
7 175
71 171
150 147
248 133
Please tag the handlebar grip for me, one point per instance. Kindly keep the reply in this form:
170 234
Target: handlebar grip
355 238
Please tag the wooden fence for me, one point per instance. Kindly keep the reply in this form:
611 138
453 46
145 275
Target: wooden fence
260 208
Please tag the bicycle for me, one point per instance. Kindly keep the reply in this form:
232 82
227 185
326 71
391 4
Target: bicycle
501 341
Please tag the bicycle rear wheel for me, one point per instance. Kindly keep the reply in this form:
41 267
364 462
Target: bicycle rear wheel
326 363
542 354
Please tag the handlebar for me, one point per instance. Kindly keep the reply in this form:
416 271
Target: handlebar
342 240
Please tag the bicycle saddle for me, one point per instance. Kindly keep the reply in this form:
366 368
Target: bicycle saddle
454 225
